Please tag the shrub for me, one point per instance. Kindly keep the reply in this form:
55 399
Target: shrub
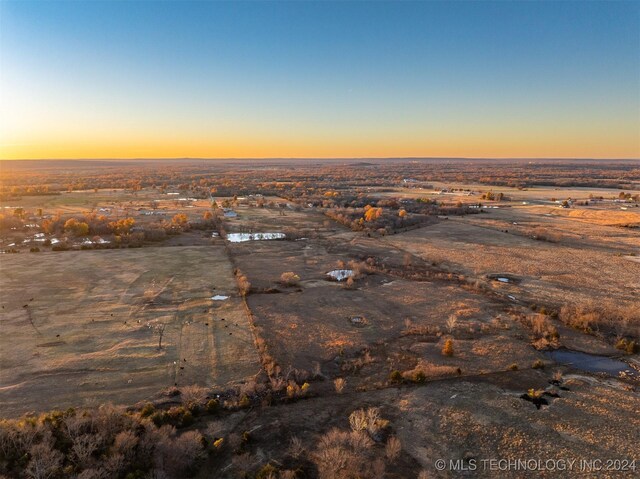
542 327
289 278
45 462
537 364
267 471
627 345
218 443
395 376
368 420
193 396
392 448
296 449
213 405
451 323
160 418
337 458
244 402
447 349
244 286
349 283
179 416
179 455
147 410
535 393
339 384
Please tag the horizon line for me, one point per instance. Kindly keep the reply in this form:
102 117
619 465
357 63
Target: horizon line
337 158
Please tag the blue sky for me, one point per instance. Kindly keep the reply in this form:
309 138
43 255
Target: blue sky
259 79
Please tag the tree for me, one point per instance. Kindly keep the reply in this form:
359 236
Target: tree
122 226
489 195
159 330
179 219
372 214
76 227
45 462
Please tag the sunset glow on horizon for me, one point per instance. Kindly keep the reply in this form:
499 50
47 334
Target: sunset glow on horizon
285 79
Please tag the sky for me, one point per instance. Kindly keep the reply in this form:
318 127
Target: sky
162 79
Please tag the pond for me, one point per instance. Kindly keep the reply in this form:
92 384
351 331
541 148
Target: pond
593 364
241 237
340 274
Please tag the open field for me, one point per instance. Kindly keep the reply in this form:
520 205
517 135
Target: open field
81 326
336 288
550 273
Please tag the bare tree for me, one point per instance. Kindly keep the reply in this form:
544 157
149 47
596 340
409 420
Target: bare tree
45 462
159 330
83 448
193 396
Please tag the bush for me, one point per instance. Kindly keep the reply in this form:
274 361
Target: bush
447 349
98 443
147 410
213 405
627 345
159 418
244 286
267 472
542 327
289 278
392 448
244 402
537 364
193 396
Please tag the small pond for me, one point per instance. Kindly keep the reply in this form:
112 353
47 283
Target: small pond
340 274
240 237
592 363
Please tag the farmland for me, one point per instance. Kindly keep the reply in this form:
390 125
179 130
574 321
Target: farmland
86 331
250 306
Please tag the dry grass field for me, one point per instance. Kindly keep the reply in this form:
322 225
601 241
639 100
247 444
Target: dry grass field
82 326
578 267
444 329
